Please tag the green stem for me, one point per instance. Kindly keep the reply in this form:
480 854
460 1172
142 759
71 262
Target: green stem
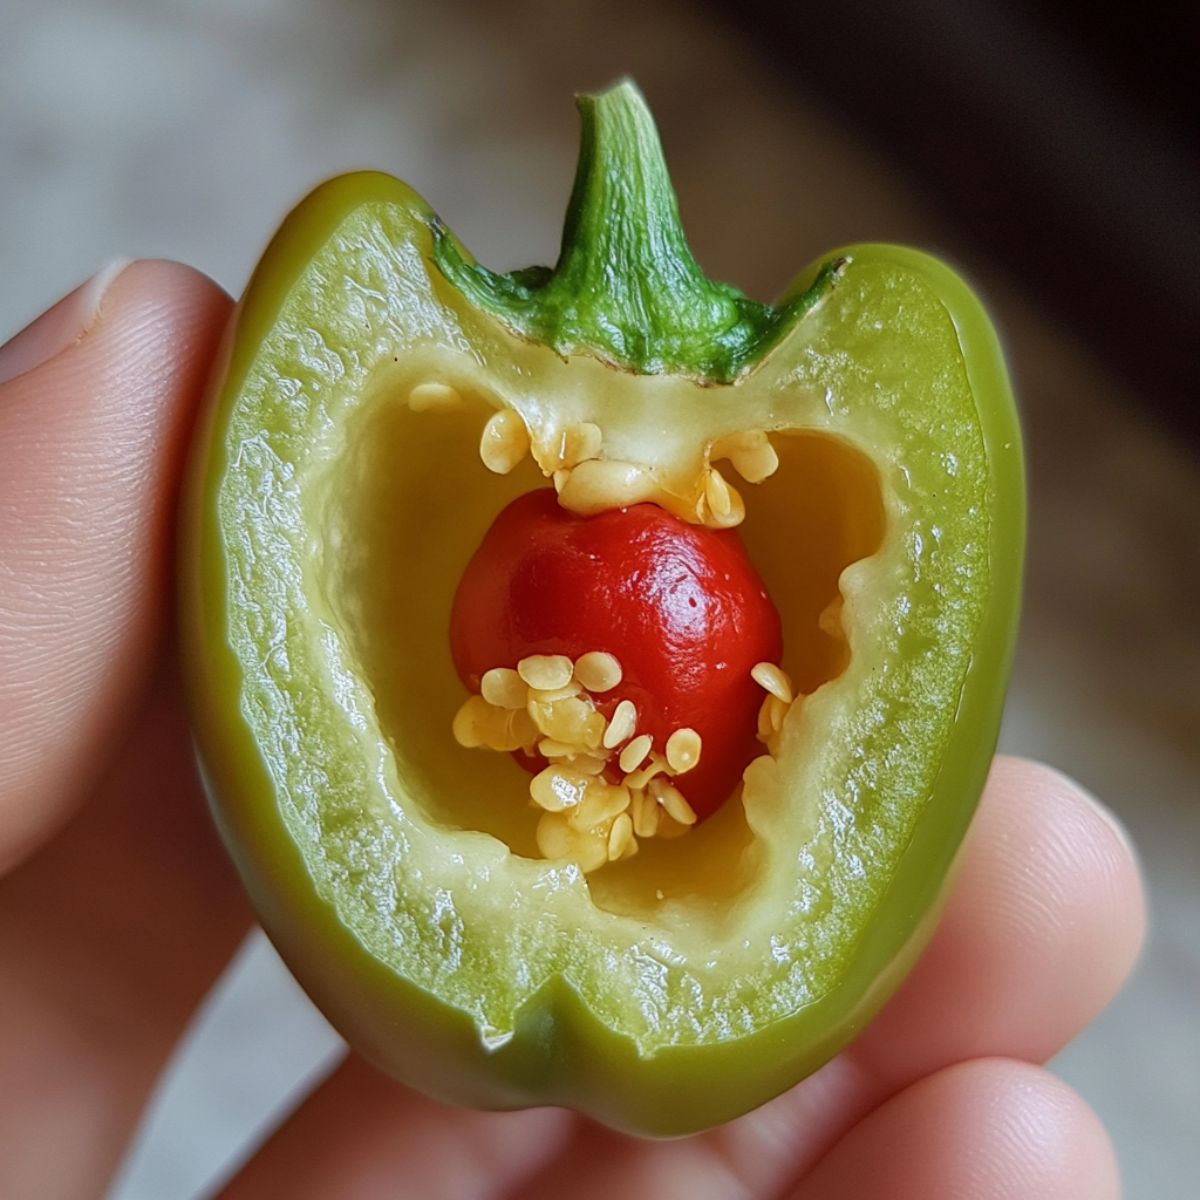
626 287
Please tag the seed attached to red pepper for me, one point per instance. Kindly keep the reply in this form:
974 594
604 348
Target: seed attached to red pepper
634 636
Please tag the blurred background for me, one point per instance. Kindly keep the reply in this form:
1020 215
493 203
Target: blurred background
1046 154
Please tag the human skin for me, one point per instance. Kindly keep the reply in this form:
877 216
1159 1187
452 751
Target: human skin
118 909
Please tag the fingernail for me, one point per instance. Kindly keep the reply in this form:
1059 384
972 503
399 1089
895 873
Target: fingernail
59 327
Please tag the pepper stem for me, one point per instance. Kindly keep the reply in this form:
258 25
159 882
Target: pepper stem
626 287
625 264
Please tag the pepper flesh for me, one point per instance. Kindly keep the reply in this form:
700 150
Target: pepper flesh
451 961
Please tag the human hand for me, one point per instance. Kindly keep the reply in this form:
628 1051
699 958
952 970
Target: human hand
118 910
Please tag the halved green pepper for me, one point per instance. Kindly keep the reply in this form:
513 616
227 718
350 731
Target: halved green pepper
332 506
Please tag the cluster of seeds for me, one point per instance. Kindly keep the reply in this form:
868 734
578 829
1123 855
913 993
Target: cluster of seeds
587 483
776 704
605 786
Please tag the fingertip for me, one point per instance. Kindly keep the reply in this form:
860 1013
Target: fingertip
1076 838
1051 891
988 1129
1044 924
162 284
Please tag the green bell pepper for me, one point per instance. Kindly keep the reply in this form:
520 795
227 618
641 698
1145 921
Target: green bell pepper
333 500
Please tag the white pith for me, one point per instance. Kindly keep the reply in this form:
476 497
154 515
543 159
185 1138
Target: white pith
571 456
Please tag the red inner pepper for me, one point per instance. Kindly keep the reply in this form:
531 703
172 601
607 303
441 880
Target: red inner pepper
680 606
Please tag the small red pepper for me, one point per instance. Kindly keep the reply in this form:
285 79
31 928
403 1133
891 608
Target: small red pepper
680 606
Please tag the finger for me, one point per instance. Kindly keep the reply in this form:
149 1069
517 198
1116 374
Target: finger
90 445
1046 882
1044 928
1043 925
991 1129
109 936
361 1136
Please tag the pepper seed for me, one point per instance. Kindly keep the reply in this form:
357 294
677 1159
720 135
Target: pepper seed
622 725
546 672
598 671
505 441
767 675
683 750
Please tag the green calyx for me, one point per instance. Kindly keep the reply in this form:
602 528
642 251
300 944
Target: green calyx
626 287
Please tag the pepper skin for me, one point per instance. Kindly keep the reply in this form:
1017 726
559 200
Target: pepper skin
332 508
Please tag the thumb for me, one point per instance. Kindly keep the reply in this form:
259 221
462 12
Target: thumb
97 398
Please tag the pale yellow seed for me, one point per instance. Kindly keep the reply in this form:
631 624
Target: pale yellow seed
716 492
467 722
755 458
603 802
548 451
765 725
673 801
540 713
668 827
477 723
620 837
549 748
565 448
546 672
505 441
505 736
566 721
767 675
644 811
429 397
735 515
587 764
555 837
635 753
520 728
642 776
770 721
598 671
560 478
557 788
580 442
590 850
622 725
554 695
503 687
506 739
599 484
593 730
683 750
